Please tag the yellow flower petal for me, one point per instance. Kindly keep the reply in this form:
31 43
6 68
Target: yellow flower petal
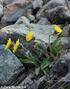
8 43
29 36
57 28
16 46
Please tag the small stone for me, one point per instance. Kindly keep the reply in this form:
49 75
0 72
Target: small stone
1 8
43 21
65 42
31 17
23 20
37 3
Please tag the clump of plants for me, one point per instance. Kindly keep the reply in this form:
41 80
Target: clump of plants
40 55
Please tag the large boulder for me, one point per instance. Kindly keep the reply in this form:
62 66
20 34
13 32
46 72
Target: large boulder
61 71
57 11
10 67
41 32
15 10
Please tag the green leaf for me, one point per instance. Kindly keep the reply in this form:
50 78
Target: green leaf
29 61
55 48
45 64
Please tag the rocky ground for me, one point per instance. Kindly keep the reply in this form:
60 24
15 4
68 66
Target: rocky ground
44 61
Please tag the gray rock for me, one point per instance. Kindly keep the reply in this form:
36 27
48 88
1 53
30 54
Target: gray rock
37 3
43 21
15 10
66 31
61 69
65 42
45 1
41 32
53 3
59 15
31 83
31 17
10 67
23 20
56 11
28 83
14 87
1 8
6 2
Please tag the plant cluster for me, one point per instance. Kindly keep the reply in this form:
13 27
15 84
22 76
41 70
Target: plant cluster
40 55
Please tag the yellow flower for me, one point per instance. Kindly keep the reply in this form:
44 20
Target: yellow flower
8 43
57 28
29 36
16 46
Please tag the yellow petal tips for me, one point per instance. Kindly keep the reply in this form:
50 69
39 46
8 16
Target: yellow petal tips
29 36
57 29
8 43
16 46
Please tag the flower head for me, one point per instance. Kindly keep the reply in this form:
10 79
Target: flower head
57 28
29 36
8 43
16 46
